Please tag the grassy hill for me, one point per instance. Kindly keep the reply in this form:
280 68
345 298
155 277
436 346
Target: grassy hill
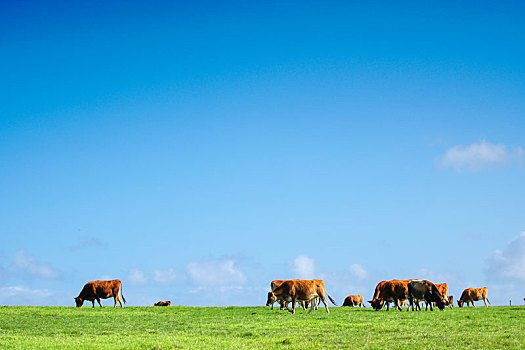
27 327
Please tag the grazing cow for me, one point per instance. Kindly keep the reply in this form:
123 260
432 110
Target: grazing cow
423 289
354 300
300 290
276 283
163 303
470 295
387 291
96 290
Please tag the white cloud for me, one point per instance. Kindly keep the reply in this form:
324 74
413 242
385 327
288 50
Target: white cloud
358 271
15 291
304 267
31 266
508 265
215 273
164 276
87 243
478 156
137 277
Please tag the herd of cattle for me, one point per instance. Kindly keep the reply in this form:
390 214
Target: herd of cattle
308 293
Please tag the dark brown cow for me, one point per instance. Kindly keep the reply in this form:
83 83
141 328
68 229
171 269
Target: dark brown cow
424 289
354 300
470 295
387 291
96 290
163 303
299 290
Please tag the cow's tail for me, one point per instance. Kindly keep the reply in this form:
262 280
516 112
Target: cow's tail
488 301
122 293
329 297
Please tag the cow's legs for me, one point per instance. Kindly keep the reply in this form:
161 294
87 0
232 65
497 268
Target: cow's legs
396 304
485 301
303 304
93 301
118 299
323 299
99 303
286 305
429 303
293 306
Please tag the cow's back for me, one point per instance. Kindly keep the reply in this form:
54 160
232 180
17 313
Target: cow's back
275 284
443 289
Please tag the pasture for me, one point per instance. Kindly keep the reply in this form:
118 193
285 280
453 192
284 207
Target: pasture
25 327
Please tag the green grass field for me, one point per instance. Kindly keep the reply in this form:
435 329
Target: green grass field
27 327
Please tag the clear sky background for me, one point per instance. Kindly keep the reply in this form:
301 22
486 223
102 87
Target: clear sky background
199 150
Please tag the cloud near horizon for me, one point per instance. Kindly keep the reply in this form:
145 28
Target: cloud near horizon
215 273
508 265
13 291
29 265
478 156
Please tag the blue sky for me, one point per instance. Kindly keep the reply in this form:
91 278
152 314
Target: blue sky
197 151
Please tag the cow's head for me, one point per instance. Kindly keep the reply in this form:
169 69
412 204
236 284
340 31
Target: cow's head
377 304
271 299
441 304
460 303
79 301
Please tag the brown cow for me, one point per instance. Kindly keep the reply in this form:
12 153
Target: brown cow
163 303
354 300
276 283
387 291
450 300
470 295
96 290
443 289
300 290
424 289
